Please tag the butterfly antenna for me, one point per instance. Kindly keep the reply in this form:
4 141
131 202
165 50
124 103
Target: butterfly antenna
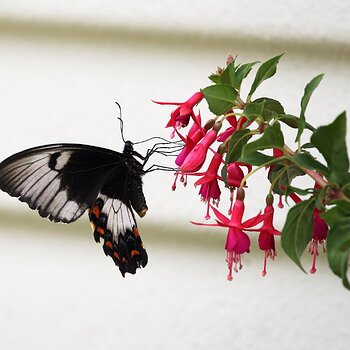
121 121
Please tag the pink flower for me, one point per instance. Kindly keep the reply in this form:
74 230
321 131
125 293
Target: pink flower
229 131
181 115
196 157
319 235
267 232
209 183
237 242
234 175
195 134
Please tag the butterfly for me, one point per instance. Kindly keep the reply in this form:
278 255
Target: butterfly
62 181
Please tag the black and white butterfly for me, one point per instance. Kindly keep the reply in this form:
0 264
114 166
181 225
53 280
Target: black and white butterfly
62 181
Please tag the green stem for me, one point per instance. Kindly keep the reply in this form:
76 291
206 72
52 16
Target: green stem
270 162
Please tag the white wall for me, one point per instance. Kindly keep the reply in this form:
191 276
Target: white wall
62 66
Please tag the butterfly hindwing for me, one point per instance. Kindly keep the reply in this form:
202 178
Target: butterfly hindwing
112 220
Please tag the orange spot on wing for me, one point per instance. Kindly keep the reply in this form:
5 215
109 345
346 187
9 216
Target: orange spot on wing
100 231
109 244
134 252
116 255
136 232
96 211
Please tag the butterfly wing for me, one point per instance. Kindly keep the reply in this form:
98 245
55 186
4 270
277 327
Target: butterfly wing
112 219
61 181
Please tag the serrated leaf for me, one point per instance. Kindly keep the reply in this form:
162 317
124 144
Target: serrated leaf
293 121
309 89
271 106
305 160
238 139
265 71
241 73
215 78
254 110
297 231
338 248
330 140
227 76
271 138
220 98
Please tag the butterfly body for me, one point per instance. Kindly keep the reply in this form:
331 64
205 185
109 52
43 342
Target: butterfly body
62 181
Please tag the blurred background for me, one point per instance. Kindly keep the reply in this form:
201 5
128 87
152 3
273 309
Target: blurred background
62 67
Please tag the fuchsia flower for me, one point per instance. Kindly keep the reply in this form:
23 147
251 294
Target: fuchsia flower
237 242
180 117
229 131
209 183
266 238
235 176
319 235
196 157
195 134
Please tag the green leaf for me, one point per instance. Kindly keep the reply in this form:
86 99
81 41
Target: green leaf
338 248
297 231
330 140
224 174
271 138
227 76
215 78
307 145
305 160
346 188
238 139
309 89
342 204
241 73
293 121
265 71
291 173
274 175
333 215
271 107
254 110
297 190
220 98
255 158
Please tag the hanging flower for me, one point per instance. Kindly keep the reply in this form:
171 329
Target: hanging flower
319 235
198 154
180 117
195 134
237 242
266 238
210 189
229 131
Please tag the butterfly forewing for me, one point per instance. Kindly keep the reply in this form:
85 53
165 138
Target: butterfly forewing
61 181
